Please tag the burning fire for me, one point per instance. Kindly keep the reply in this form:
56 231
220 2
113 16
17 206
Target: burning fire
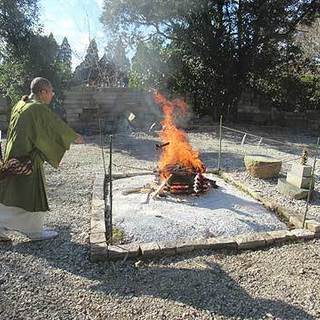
178 151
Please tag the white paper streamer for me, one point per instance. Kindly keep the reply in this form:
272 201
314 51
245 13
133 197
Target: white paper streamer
260 141
243 139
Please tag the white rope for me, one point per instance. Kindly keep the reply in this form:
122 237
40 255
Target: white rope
272 140
243 139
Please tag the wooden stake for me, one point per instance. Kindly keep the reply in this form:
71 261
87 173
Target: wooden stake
311 184
163 184
220 143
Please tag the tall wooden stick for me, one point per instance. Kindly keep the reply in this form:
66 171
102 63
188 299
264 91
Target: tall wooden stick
110 189
0 146
311 183
220 143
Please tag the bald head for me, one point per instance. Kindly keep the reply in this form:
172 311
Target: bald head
38 84
42 89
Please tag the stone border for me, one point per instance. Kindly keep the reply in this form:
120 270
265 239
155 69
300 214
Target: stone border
101 251
97 219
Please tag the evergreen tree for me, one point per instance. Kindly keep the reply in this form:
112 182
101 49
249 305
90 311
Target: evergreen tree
65 53
18 21
121 64
107 72
88 70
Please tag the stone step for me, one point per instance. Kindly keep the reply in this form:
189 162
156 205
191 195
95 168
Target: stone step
299 182
288 189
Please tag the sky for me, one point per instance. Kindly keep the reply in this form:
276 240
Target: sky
78 20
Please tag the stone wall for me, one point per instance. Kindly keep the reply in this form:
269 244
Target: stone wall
3 113
254 109
117 109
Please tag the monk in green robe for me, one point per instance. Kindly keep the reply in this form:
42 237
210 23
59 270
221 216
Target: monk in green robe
39 134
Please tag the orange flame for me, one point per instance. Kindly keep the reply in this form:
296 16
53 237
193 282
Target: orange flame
179 151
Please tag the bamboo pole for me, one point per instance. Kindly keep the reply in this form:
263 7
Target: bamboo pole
0 146
110 190
220 143
311 183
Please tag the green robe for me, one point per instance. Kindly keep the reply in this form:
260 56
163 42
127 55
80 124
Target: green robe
37 132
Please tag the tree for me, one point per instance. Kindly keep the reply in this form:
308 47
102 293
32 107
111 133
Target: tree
308 38
64 62
150 65
65 53
222 46
107 72
88 70
116 55
18 21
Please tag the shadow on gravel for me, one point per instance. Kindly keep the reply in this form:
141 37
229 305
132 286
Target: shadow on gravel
209 288
139 148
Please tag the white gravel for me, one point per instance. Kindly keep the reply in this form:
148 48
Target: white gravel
55 280
224 212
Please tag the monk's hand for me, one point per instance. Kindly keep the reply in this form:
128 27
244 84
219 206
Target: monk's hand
79 140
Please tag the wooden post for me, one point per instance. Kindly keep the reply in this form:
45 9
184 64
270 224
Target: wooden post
0 146
220 143
311 183
110 190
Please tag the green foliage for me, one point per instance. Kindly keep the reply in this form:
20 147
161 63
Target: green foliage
149 66
41 59
26 54
217 48
18 20
65 62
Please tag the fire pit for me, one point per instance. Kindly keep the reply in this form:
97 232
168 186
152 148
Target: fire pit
180 169
187 182
180 200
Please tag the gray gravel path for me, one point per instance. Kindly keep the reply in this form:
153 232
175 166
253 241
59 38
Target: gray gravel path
55 280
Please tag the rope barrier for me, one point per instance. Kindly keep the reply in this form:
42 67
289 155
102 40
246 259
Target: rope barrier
268 139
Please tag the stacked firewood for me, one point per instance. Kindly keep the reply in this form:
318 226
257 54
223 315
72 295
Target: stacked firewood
185 181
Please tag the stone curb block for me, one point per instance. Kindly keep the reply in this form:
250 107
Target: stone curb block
98 252
280 236
313 225
102 252
302 234
150 249
99 237
168 248
221 243
122 252
98 246
296 220
97 226
250 241
184 246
